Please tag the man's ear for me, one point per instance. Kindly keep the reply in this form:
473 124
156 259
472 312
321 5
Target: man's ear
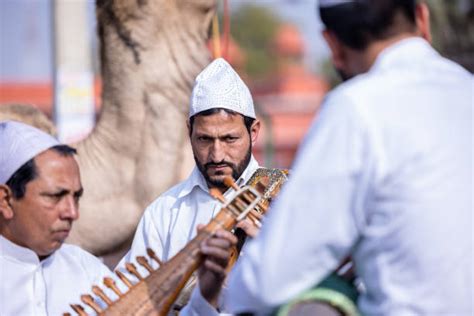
254 130
337 50
6 209
423 21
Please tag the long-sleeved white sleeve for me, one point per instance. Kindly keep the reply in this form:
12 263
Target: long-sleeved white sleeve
312 224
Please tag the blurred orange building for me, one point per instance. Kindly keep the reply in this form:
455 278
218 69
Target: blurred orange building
38 94
287 101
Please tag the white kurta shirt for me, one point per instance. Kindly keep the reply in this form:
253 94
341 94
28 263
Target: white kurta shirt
30 287
170 222
385 174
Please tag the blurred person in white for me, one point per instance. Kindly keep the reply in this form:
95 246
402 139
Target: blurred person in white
384 175
222 129
40 189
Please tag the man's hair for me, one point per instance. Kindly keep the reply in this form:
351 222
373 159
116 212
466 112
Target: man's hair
248 121
359 23
28 172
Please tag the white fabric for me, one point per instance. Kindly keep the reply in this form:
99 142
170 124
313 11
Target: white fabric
32 287
331 3
170 222
219 86
18 144
385 174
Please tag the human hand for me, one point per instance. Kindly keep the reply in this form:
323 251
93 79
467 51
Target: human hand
249 227
212 273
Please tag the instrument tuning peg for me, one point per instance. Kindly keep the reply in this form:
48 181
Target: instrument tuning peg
79 309
152 255
144 263
215 193
124 278
133 270
98 291
229 182
89 300
110 283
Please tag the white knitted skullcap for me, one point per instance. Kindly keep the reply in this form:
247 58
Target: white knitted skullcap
219 86
331 3
18 144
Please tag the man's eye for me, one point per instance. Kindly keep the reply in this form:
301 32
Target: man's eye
77 196
231 139
55 197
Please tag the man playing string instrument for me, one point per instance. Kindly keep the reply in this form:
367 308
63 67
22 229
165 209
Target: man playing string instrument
385 174
222 128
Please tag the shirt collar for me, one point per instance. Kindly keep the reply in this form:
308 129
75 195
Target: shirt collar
196 179
18 253
403 51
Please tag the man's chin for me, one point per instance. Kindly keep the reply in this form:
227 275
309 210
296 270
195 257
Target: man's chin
217 180
44 253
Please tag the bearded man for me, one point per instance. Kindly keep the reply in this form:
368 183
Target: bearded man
222 129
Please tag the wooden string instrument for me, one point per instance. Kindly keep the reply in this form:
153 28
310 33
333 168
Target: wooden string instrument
156 293
276 178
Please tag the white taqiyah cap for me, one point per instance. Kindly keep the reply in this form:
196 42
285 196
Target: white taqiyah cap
18 144
331 3
219 86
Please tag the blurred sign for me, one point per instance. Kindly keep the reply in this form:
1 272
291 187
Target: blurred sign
73 74
74 99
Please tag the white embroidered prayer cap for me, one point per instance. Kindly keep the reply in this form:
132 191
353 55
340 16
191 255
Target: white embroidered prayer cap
18 144
219 86
331 3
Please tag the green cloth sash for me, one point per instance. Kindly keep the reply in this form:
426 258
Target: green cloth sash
334 290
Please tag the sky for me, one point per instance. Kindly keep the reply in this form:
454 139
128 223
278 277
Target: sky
26 40
25 37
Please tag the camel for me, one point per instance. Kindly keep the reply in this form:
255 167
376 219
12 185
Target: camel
151 51
28 114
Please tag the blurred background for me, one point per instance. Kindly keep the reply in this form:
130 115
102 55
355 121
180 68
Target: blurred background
275 45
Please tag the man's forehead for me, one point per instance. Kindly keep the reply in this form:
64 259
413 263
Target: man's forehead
54 166
220 119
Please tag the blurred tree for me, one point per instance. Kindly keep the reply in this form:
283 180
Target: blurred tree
253 28
452 26
328 72
453 29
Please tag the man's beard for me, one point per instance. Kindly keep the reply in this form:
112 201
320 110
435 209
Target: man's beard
237 170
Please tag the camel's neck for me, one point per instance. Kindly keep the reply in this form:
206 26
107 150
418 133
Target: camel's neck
149 61
151 52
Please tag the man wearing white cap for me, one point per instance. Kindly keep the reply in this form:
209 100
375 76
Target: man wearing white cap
40 188
384 175
222 128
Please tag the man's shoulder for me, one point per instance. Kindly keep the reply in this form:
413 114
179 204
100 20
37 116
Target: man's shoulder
359 85
76 253
80 257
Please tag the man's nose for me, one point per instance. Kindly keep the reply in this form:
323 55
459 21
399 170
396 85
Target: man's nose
217 152
70 209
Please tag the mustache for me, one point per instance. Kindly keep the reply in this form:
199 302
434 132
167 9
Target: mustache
63 228
221 163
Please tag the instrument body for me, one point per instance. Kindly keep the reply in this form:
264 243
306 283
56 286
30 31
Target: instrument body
157 292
